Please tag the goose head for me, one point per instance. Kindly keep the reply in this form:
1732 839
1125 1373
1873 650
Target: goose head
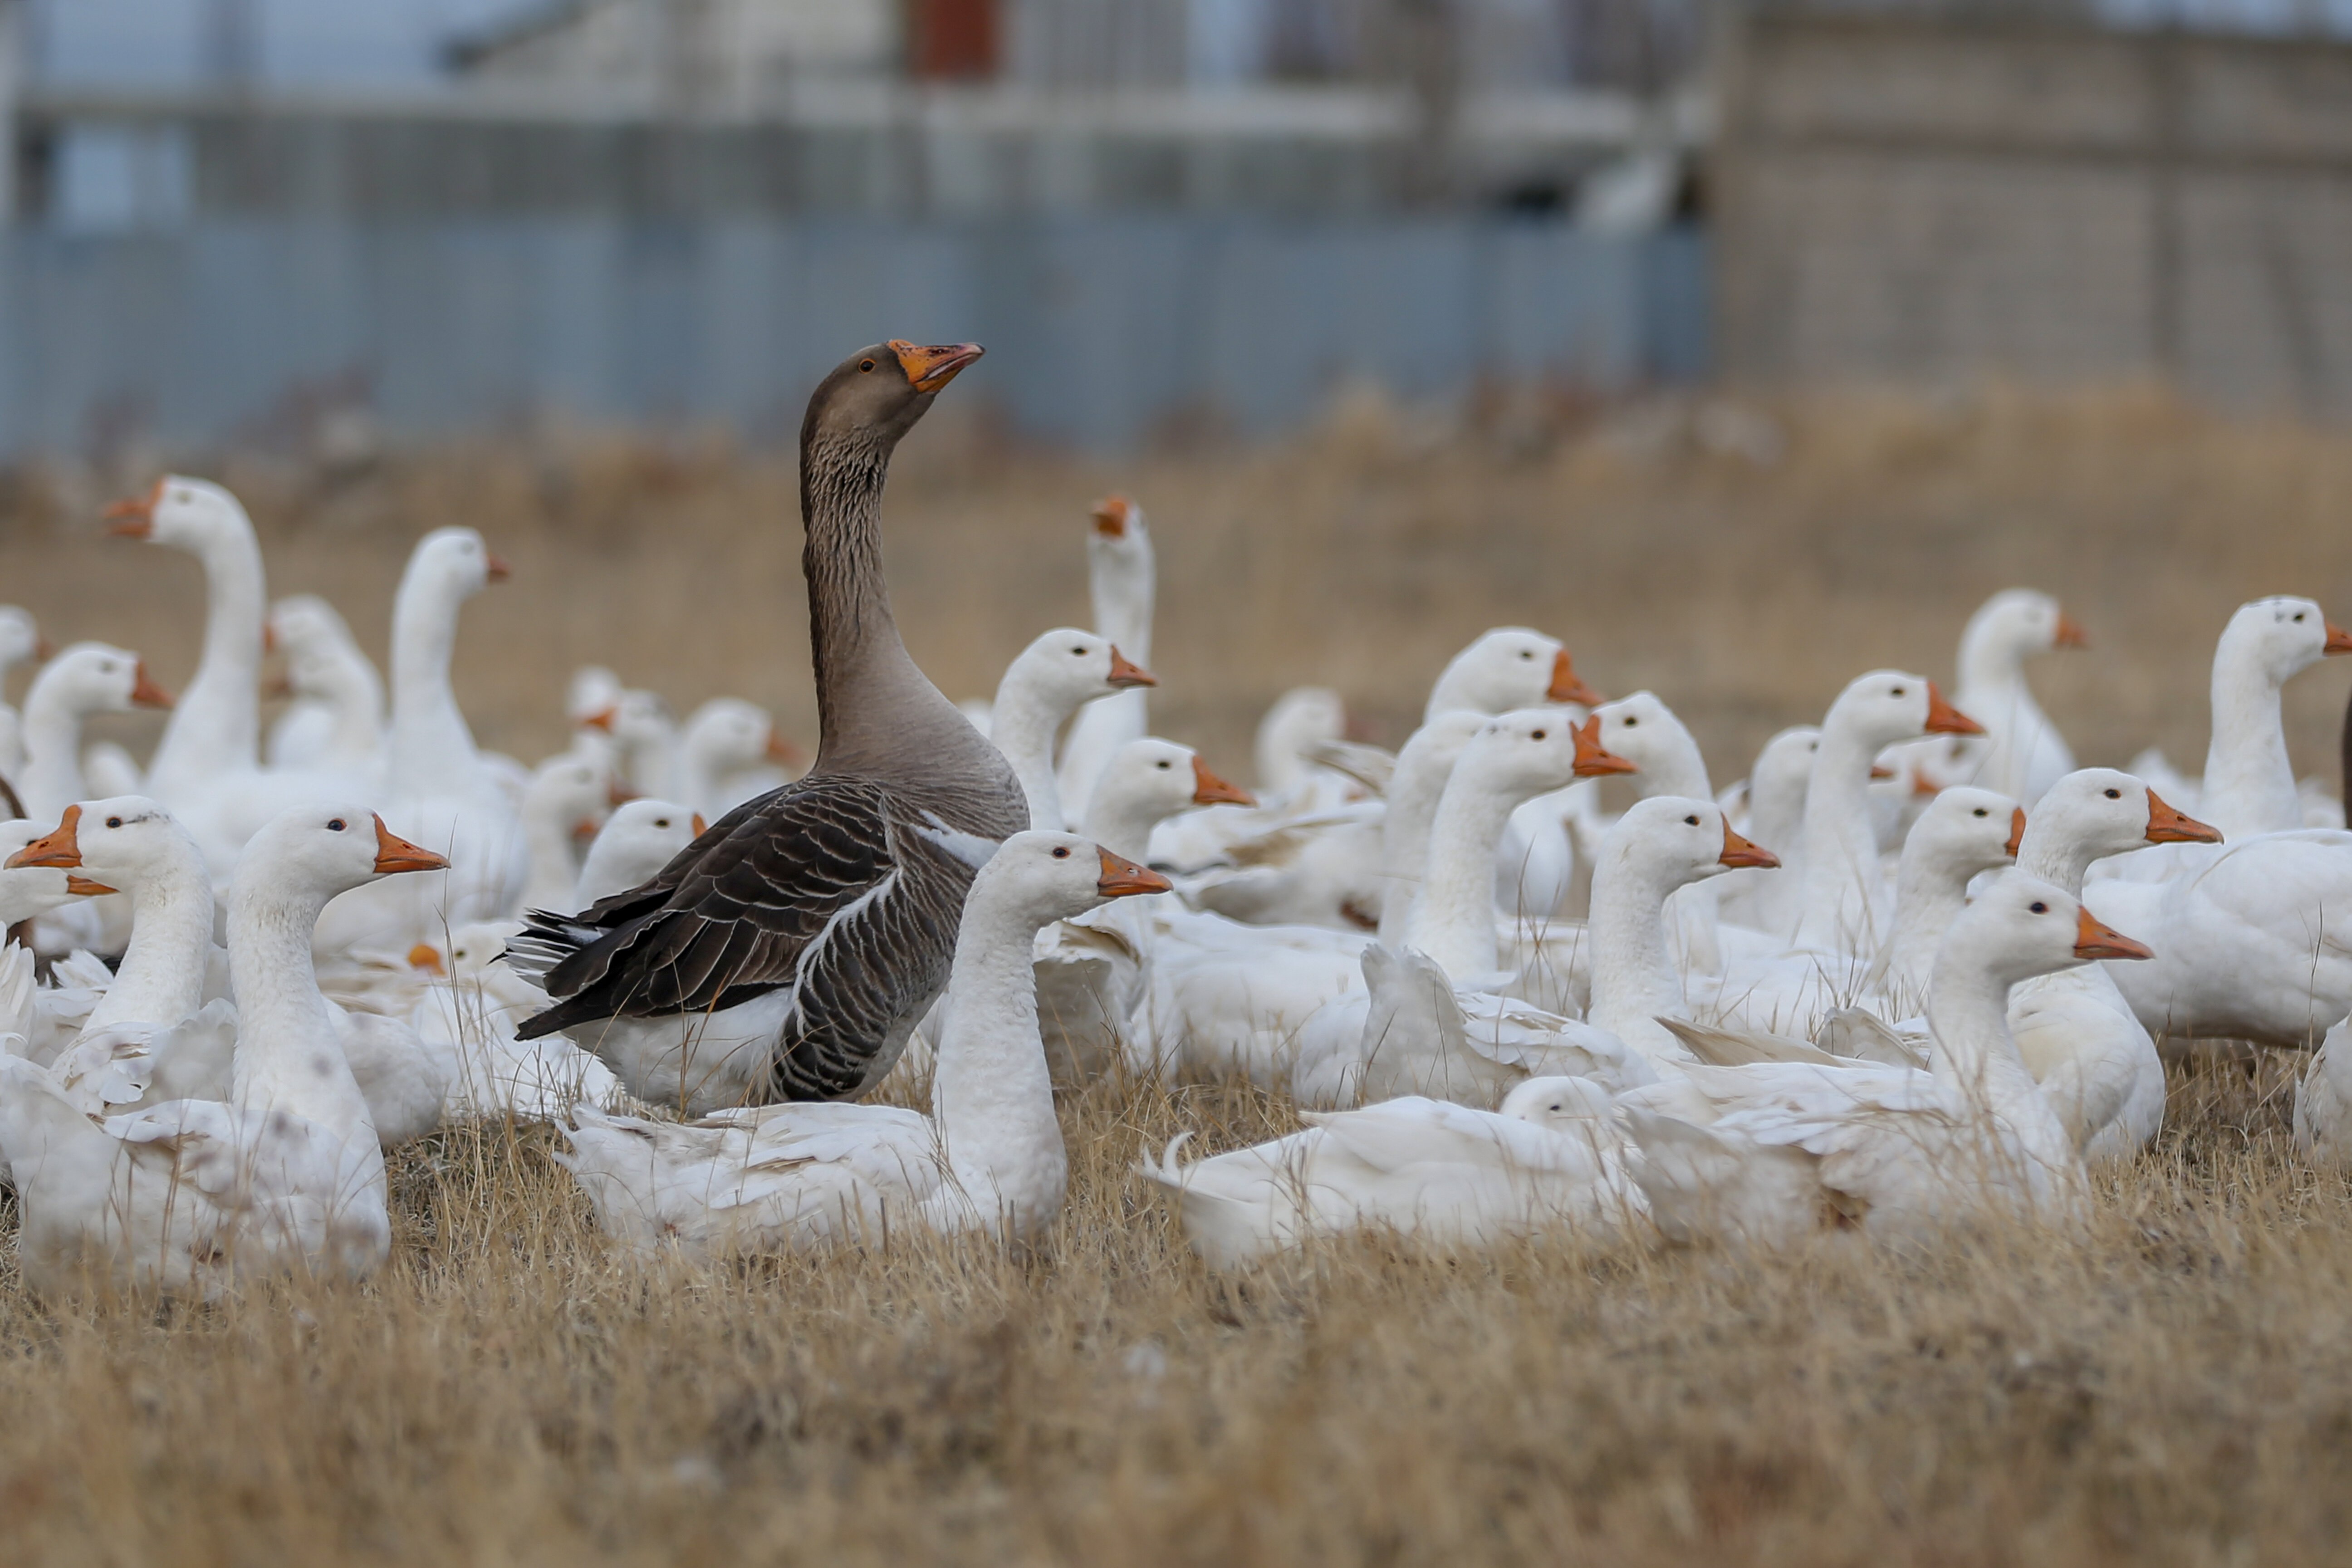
875 396
186 514
94 677
311 634
1646 731
1301 718
1427 757
1035 878
2094 813
1119 533
2022 926
2280 637
310 853
569 794
640 720
1668 841
1964 830
638 839
1510 668
1890 705
20 639
453 563
728 734
1782 769
28 890
126 842
592 699
1156 779
1064 669
2016 624
1562 1103
1518 756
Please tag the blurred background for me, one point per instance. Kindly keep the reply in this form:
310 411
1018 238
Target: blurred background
1743 345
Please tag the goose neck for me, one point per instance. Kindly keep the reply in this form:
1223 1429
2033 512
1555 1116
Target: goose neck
1121 594
1022 726
1634 980
992 1094
1122 825
431 741
354 696
1975 1055
1677 768
1405 825
2249 785
1841 849
162 978
1453 920
216 725
1928 897
290 1054
51 728
2055 856
548 843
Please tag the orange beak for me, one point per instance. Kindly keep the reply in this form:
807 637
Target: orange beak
585 829
1124 673
43 648
1943 718
600 720
394 853
268 638
781 751
277 685
83 888
1110 516
700 826
2338 639
1881 770
134 516
2166 826
1922 784
60 847
2070 632
2094 938
2016 831
1121 877
1208 789
1738 851
931 366
144 692
425 955
619 794
499 570
1592 759
1567 686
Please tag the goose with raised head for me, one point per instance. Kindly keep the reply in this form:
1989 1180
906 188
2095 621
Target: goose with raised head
565 803
790 953
1777 1150
1121 583
728 753
2249 784
637 840
285 1176
1441 1172
1964 831
1053 677
215 729
131 843
2022 753
989 1157
1510 668
87 678
20 642
335 721
1774 813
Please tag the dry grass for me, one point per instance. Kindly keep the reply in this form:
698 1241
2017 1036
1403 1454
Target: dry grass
510 1391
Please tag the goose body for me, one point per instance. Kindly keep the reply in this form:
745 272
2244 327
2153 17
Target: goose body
335 721
1052 678
790 952
989 1157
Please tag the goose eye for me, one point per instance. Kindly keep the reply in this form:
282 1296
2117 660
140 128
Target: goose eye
1062 854
1163 767
1692 820
2298 615
1899 691
1630 721
661 822
1078 653
1981 811
335 824
2040 907
2114 794
866 364
1537 734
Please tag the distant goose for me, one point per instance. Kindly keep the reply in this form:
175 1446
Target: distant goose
790 952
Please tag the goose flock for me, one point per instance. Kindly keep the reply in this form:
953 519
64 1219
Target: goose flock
1914 967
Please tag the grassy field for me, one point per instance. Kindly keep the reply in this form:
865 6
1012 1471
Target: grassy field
512 1393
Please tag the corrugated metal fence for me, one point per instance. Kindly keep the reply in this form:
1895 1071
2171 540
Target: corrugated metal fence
1101 329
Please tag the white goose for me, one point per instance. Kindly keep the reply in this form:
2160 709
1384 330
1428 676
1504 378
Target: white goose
1774 813
335 722
20 641
466 1016
1900 1152
1050 680
638 839
567 801
1964 831
1121 580
1439 1172
2249 784
988 1158
284 1177
87 678
728 753
438 789
2022 753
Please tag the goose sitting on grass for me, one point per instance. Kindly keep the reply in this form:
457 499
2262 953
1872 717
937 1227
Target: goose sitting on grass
286 1174
988 1158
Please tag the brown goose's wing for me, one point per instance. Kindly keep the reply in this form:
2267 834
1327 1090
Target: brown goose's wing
807 872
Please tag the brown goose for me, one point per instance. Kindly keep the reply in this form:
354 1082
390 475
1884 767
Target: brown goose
788 952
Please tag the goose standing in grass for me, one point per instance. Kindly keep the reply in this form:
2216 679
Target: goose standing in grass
1773 1152
2022 753
286 1175
791 955
335 722
988 1158
1053 678
1441 1172
1121 581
